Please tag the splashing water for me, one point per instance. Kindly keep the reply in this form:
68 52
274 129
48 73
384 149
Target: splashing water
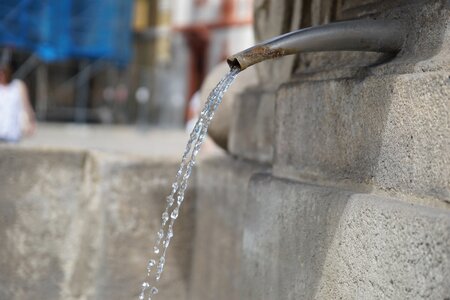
155 266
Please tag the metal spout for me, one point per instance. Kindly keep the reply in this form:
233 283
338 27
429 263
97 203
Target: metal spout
358 35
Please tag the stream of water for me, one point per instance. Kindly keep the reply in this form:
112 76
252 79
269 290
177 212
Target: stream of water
155 266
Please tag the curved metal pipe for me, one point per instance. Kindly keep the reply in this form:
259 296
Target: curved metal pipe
357 35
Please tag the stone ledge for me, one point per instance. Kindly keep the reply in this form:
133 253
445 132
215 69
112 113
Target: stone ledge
36 253
389 131
310 242
80 224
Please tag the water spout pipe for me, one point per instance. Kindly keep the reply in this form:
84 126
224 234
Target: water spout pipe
385 36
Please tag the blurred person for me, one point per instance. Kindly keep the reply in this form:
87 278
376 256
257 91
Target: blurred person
16 114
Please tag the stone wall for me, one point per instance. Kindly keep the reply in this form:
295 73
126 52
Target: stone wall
79 225
356 201
220 217
336 185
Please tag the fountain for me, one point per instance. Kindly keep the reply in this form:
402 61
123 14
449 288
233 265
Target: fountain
358 35
176 197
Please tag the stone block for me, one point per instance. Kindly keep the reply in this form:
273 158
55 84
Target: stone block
132 193
81 225
387 249
304 241
389 131
287 230
41 200
252 125
220 208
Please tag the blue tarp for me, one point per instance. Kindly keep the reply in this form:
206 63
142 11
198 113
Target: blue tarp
63 29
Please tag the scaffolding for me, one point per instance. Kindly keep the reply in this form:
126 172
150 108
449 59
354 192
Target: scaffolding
68 29
94 33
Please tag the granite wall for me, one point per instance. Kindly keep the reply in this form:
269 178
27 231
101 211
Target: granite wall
352 196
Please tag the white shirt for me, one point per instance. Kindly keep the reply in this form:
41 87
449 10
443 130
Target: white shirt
10 111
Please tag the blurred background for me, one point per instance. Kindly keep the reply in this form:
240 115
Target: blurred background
136 63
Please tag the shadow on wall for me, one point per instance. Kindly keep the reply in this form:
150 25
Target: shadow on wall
288 230
303 241
323 235
374 129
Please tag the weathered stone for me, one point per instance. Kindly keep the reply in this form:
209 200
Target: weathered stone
276 17
389 131
312 242
80 225
40 202
426 48
252 125
220 212
133 195
384 248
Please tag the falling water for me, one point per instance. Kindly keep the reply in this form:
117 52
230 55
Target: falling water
155 266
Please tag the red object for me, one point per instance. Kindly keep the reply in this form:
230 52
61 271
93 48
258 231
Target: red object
198 39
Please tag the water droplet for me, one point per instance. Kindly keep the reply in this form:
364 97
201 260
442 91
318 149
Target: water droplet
170 200
151 263
162 260
179 187
165 216
154 290
175 186
166 243
197 127
174 214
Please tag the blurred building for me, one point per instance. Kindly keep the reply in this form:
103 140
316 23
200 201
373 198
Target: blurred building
178 42
120 61
60 46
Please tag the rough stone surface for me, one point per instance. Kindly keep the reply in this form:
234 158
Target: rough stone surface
252 125
221 201
313 242
365 146
80 225
276 17
387 249
389 131
428 39
40 201
426 48
133 194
